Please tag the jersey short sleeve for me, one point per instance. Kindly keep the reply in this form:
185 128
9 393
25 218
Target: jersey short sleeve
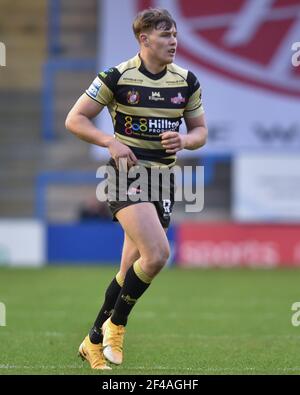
103 87
194 107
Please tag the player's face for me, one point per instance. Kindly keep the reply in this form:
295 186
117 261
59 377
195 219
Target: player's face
163 44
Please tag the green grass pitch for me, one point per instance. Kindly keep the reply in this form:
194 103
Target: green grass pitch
188 322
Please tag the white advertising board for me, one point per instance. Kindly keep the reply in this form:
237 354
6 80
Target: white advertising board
22 242
266 187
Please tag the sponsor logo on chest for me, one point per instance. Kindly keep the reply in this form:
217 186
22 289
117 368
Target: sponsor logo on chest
156 97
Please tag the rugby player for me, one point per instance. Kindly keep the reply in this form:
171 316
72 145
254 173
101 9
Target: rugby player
147 97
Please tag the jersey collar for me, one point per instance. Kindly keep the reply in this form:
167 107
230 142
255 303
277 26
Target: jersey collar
148 74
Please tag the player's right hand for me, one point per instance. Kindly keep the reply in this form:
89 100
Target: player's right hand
121 151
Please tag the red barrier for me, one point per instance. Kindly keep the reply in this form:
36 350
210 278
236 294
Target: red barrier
229 245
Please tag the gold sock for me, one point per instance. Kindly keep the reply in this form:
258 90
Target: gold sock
140 273
120 279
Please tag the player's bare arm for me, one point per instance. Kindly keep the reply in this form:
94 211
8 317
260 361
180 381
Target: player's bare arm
79 123
194 139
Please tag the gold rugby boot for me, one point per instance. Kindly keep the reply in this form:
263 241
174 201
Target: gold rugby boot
113 337
93 353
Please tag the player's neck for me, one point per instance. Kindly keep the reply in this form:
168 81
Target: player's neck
151 65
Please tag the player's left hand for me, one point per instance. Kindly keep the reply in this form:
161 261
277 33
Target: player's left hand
172 142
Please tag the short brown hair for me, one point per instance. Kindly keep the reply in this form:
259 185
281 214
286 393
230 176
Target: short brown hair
152 18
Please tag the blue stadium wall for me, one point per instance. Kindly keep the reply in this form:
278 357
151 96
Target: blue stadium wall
89 243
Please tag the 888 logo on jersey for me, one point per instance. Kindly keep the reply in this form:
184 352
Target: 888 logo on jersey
135 125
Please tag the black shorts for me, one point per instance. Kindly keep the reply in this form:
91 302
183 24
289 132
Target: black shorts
160 191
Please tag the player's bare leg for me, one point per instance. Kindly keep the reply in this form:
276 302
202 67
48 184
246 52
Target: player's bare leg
130 254
141 223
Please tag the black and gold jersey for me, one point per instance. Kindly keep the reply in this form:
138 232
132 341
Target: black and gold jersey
144 105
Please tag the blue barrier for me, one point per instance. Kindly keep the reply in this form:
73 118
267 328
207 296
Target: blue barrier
90 242
84 242
55 177
51 67
54 23
55 64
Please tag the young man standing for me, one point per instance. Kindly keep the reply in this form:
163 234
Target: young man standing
147 97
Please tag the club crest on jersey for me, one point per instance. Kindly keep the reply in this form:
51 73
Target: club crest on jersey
133 97
178 99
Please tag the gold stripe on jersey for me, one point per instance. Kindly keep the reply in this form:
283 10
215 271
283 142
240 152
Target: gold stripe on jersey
156 85
174 80
155 112
194 107
133 142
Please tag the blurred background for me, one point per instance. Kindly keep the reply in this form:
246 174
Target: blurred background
241 52
243 320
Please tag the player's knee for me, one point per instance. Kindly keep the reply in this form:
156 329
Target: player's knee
161 255
158 258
